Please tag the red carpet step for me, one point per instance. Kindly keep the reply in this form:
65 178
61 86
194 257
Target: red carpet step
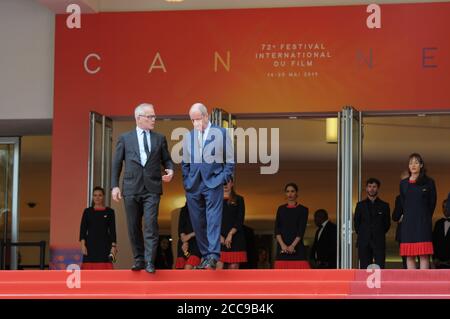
225 284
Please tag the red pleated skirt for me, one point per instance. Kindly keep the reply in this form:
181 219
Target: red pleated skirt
416 249
291 264
233 257
192 260
97 266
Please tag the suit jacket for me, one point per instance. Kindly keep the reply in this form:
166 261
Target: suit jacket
213 162
447 205
372 227
418 202
396 215
138 179
325 246
441 243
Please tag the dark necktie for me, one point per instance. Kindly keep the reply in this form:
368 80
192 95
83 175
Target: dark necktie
147 150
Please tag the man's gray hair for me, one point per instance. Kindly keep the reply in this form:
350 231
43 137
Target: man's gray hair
199 107
140 109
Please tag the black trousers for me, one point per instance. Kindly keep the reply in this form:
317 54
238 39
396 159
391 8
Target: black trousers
368 254
143 208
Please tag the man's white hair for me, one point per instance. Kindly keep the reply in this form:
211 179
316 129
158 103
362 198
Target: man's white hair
140 109
199 107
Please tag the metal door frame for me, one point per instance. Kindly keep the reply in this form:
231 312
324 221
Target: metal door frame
345 181
14 198
106 155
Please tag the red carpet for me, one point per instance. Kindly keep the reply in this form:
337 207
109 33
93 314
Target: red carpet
185 284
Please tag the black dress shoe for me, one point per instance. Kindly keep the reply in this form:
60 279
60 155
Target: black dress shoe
138 265
150 268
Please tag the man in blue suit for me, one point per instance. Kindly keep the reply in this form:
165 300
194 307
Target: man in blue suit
208 164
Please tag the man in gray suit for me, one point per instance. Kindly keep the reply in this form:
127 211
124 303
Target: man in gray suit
144 152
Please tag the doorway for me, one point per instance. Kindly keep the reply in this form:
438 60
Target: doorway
389 139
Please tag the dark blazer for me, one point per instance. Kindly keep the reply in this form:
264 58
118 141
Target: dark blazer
136 177
418 202
325 246
289 224
441 243
214 165
98 229
185 227
372 228
447 205
396 215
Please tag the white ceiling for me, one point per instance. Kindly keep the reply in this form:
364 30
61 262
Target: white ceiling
92 6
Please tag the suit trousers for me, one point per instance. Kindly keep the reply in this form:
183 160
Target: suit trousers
205 210
370 255
143 207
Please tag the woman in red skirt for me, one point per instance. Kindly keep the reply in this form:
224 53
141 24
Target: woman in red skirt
98 234
290 225
233 249
188 255
418 196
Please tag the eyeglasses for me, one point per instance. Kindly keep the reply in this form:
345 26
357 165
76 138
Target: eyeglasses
150 117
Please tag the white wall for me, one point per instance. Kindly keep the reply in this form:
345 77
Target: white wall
26 60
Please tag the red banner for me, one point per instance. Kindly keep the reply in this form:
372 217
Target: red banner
245 61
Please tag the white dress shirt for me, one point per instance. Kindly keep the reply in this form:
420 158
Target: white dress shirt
321 229
202 136
142 154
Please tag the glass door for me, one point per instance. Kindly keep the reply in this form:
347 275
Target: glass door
223 119
100 155
9 198
349 183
